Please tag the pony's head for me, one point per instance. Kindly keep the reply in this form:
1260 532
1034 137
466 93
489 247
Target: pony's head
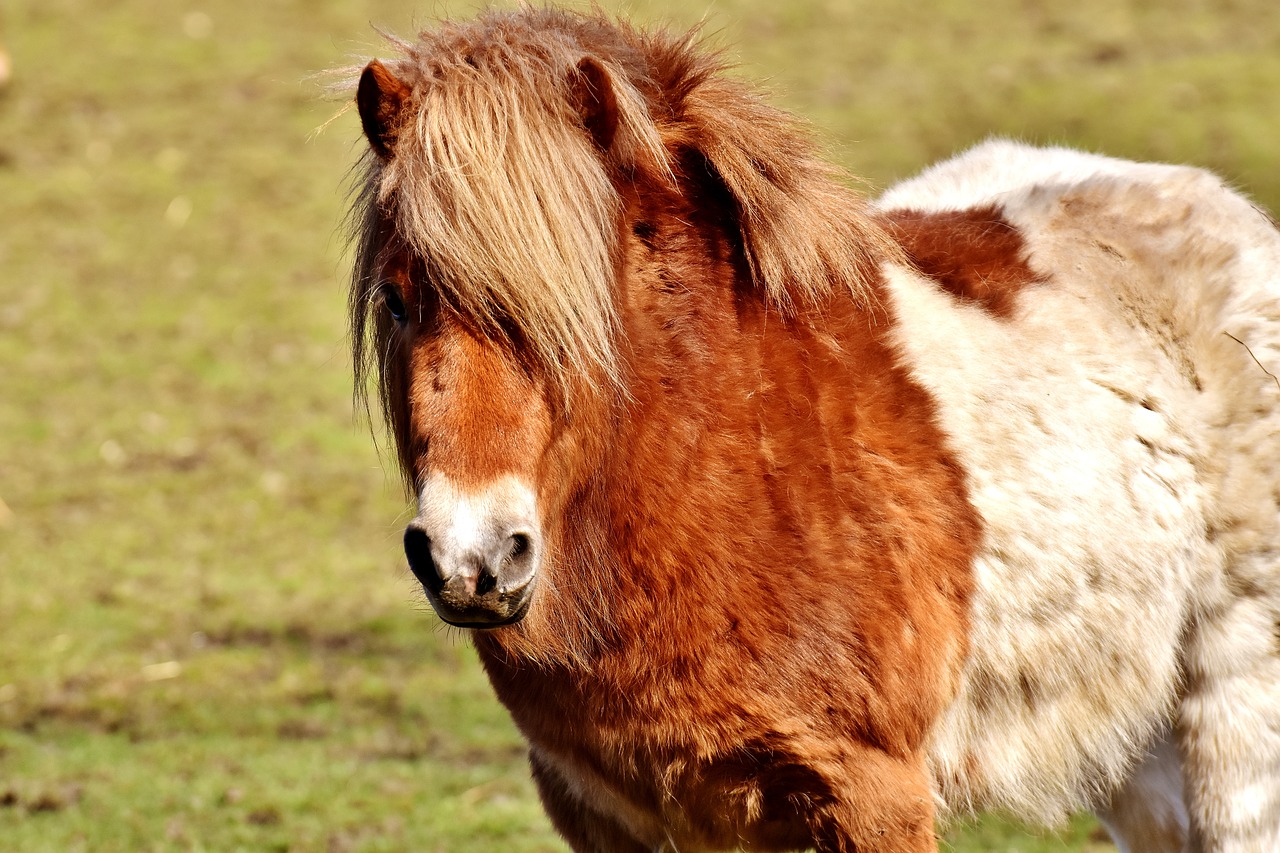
519 169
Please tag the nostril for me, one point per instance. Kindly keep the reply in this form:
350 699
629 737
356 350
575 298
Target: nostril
508 567
519 556
417 548
519 546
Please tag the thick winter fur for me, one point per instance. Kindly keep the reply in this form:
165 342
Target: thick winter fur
965 500
1121 433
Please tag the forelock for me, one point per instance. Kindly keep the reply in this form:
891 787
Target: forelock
497 188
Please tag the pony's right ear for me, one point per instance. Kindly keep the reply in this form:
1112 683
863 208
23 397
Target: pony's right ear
381 98
596 102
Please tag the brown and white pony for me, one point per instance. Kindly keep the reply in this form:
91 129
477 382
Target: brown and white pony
782 519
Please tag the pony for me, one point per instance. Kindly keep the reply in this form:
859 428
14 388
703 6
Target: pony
781 518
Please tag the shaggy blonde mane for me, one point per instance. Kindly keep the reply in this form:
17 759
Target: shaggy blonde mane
496 185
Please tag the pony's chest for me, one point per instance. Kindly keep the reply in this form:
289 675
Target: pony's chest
673 805
628 802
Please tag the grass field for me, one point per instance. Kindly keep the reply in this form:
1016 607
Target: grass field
207 638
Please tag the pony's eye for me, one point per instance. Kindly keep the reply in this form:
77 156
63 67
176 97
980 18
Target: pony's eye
393 303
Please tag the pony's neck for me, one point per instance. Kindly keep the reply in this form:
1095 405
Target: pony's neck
773 489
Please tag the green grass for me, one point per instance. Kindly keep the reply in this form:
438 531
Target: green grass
207 640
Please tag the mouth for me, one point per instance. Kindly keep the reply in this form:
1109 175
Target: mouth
507 609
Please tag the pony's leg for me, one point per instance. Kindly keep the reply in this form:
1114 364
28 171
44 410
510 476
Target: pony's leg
1229 719
1147 813
585 829
879 805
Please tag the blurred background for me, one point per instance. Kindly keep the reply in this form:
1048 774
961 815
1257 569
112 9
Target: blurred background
207 637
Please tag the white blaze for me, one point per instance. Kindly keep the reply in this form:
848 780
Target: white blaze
461 521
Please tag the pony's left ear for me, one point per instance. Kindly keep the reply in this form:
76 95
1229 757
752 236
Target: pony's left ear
596 101
381 98
616 118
